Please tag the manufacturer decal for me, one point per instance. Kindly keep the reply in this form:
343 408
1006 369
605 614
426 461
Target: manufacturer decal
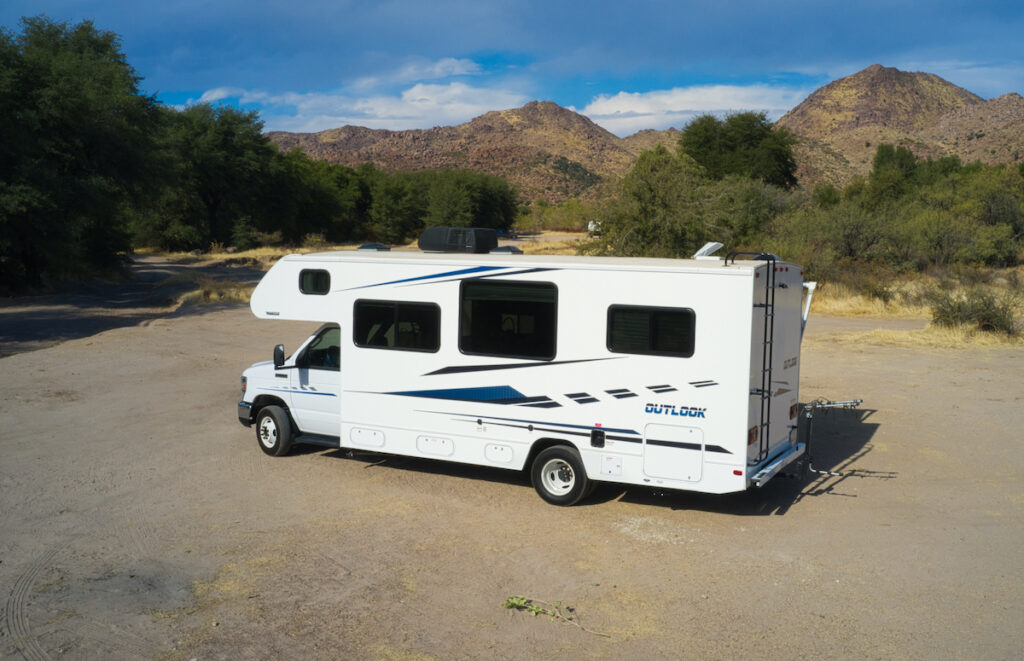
672 409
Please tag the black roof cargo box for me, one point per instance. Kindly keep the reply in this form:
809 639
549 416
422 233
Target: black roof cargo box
458 239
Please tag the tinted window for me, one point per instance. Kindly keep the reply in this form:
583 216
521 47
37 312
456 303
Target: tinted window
324 352
647 330
314 281
504 318
397 325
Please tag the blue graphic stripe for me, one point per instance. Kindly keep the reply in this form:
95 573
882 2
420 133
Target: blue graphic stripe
475 269
489 275
494 394
303 392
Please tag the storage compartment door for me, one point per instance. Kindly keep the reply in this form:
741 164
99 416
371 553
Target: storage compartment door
673 453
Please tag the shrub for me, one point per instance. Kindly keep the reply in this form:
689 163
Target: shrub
974 307
316 241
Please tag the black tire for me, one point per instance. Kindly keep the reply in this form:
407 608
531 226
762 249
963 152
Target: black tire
274 431
559 477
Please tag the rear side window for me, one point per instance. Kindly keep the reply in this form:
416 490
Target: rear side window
397 325
314 281
651 330
508 318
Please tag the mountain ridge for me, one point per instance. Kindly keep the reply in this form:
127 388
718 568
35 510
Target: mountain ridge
553 153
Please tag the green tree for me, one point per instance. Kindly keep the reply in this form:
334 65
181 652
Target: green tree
744 144
658 211
397 208
892 173
75 147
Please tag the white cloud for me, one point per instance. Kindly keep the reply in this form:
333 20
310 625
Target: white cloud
626 113
219 94
420 70
419 106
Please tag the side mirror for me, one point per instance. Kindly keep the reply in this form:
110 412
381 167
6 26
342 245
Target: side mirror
278 356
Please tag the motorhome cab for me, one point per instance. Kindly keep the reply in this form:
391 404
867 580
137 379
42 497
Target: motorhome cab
674 373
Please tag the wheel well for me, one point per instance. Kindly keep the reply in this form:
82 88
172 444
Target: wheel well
542 444
263 401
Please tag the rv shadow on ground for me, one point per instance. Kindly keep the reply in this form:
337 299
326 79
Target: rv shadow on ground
840 439
372 460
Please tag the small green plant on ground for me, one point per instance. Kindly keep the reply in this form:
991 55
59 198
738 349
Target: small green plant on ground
556 611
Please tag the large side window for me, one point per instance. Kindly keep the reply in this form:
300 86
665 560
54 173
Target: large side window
324 352
397 325
508 318
651 330
314 281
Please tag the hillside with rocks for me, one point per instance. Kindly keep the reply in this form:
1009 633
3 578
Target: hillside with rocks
545 150
550 152
840 125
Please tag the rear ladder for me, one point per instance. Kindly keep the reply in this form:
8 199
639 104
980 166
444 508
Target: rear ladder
765 391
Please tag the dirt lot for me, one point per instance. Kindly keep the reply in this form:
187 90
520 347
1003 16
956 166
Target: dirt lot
139 520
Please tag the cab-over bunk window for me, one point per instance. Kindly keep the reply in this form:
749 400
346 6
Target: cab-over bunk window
404 326
508 318
314 281
655 331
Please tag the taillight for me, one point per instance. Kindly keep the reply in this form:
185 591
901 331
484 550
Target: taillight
793 410
752 435
244 383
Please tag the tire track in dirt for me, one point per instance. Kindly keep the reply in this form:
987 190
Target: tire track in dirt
15 619
138 530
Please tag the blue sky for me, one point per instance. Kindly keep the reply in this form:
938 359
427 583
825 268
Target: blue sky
309 65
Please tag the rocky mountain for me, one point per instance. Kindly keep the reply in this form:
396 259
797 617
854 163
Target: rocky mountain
553 153
543 149
841 124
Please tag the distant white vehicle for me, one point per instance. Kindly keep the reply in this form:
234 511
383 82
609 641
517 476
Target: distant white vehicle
680 374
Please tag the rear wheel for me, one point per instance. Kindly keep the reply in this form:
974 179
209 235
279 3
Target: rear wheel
274 431
559 477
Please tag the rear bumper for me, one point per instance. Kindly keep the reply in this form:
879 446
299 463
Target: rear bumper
777 463
245 413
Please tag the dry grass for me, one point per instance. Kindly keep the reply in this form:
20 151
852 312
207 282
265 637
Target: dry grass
564 247
904 301
218 291
932 337
209 290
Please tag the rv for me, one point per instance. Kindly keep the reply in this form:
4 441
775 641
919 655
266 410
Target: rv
670 373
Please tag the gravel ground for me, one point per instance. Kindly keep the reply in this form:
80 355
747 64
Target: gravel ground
140 520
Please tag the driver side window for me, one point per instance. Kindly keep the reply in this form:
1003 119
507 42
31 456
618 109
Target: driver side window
324 352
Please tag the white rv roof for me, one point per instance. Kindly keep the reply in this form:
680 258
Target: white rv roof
571 261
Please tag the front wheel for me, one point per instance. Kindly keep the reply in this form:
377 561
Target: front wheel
274 431
559 477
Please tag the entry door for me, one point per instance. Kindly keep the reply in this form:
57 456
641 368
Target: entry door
316 407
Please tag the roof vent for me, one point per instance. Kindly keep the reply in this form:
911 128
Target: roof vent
375 247
707 250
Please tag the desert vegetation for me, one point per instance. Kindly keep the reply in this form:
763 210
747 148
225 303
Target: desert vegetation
94 169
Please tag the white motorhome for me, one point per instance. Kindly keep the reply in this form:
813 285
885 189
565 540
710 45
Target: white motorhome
674 373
